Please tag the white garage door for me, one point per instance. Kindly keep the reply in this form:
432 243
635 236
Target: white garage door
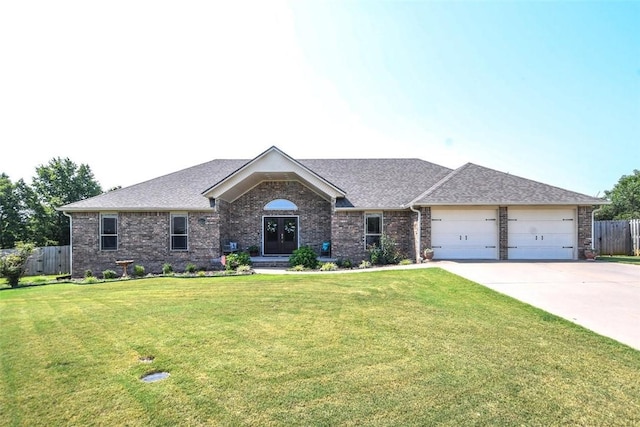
542 233
464 234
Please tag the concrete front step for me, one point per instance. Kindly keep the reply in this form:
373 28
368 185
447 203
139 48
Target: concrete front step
273 261
279 261
270 263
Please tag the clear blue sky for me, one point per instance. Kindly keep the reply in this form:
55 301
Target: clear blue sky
136 89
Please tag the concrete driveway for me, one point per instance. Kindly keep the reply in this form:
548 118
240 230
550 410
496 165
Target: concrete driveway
601 296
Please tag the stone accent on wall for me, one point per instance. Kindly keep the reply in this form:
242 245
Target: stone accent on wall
503 225
144 238
584 229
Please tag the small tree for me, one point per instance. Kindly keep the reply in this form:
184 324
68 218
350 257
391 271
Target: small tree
13 265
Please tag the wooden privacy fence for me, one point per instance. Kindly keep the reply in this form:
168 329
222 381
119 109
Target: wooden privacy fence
47 260
634 226
617 237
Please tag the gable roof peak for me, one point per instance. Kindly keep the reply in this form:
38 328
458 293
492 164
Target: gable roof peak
271 164
440 183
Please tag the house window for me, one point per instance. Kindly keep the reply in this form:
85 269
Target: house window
280 205
372 229
109 232
179 237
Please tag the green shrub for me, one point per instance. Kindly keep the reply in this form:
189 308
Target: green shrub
345 263
88 273
384 253
190 268
202 273
328 266
138 271
304 256
364 264
13 265
167 268
109 274
235 260
298 268
90 280
405 262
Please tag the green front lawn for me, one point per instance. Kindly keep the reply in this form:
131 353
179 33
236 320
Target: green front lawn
414 347
620 258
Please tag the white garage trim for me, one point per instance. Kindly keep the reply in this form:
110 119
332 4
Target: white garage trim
465 233
542 233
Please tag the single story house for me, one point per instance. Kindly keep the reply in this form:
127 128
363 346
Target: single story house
279 204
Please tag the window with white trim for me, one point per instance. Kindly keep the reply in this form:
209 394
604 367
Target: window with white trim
109 232
372 229
280 205
179 232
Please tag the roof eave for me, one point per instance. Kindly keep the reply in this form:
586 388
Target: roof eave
136 209
511 203
371 209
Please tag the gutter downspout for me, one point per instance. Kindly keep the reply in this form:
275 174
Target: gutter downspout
70 241
419 232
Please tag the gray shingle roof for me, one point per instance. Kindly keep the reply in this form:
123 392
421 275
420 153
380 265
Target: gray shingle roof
368 183
181 190
378 183
476 185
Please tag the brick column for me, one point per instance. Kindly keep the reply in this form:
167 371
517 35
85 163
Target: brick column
584 229
426 228
503 224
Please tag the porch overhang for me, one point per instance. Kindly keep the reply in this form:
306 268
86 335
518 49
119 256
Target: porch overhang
272 165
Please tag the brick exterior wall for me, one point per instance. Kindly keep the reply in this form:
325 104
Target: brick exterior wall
144 238
426 227
347 229
245 214
503 225
584 229
399 226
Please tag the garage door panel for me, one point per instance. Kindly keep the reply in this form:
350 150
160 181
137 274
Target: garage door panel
541 252
542 234
547 226
464 234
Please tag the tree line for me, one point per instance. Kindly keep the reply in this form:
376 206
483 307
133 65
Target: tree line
28 211
624 198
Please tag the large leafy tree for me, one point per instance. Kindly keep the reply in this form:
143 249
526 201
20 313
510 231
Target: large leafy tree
58 183
18 207
14 211
624 198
